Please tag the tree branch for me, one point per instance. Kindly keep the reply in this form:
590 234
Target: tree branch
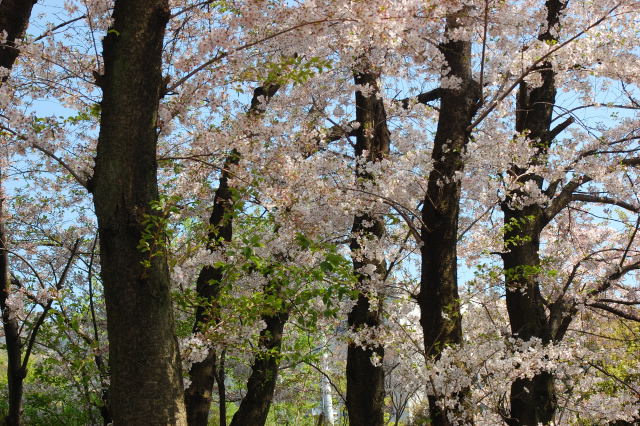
422 98
533 66
626 315
614 276
223 55
564 197
553 133
57 27
81 180
620 302
333 385
588 198
47 307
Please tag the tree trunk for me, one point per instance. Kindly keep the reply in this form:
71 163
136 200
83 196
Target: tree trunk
209 285
365 381
325 386
438 298
15 372
146 380
261 385
14 18
533 400
222 390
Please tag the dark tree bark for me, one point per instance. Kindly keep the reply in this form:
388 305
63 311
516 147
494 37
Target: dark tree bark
14 18
209 285
533 400
261 385
146 380
365 381
438 297
13 342
222 389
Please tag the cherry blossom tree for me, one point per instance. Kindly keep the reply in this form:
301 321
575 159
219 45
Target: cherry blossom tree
440 197
14 18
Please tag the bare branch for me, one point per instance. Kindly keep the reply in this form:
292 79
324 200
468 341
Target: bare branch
620 302
188 8
614 276
485 28
81 180
422 98
635 161
588 198
622 314
564 197
476 220
553 133
57 27
614 377
333 385
47 307
399 208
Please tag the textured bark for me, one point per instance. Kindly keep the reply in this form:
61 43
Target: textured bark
533 400
365 382
204 374
254 407
438 297
146 381
14 18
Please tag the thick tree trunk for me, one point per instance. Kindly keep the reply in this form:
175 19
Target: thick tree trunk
438 298
365 381
146 381
261 385
14 18
533 400
204 374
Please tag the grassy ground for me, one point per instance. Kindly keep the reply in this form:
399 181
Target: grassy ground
3 367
